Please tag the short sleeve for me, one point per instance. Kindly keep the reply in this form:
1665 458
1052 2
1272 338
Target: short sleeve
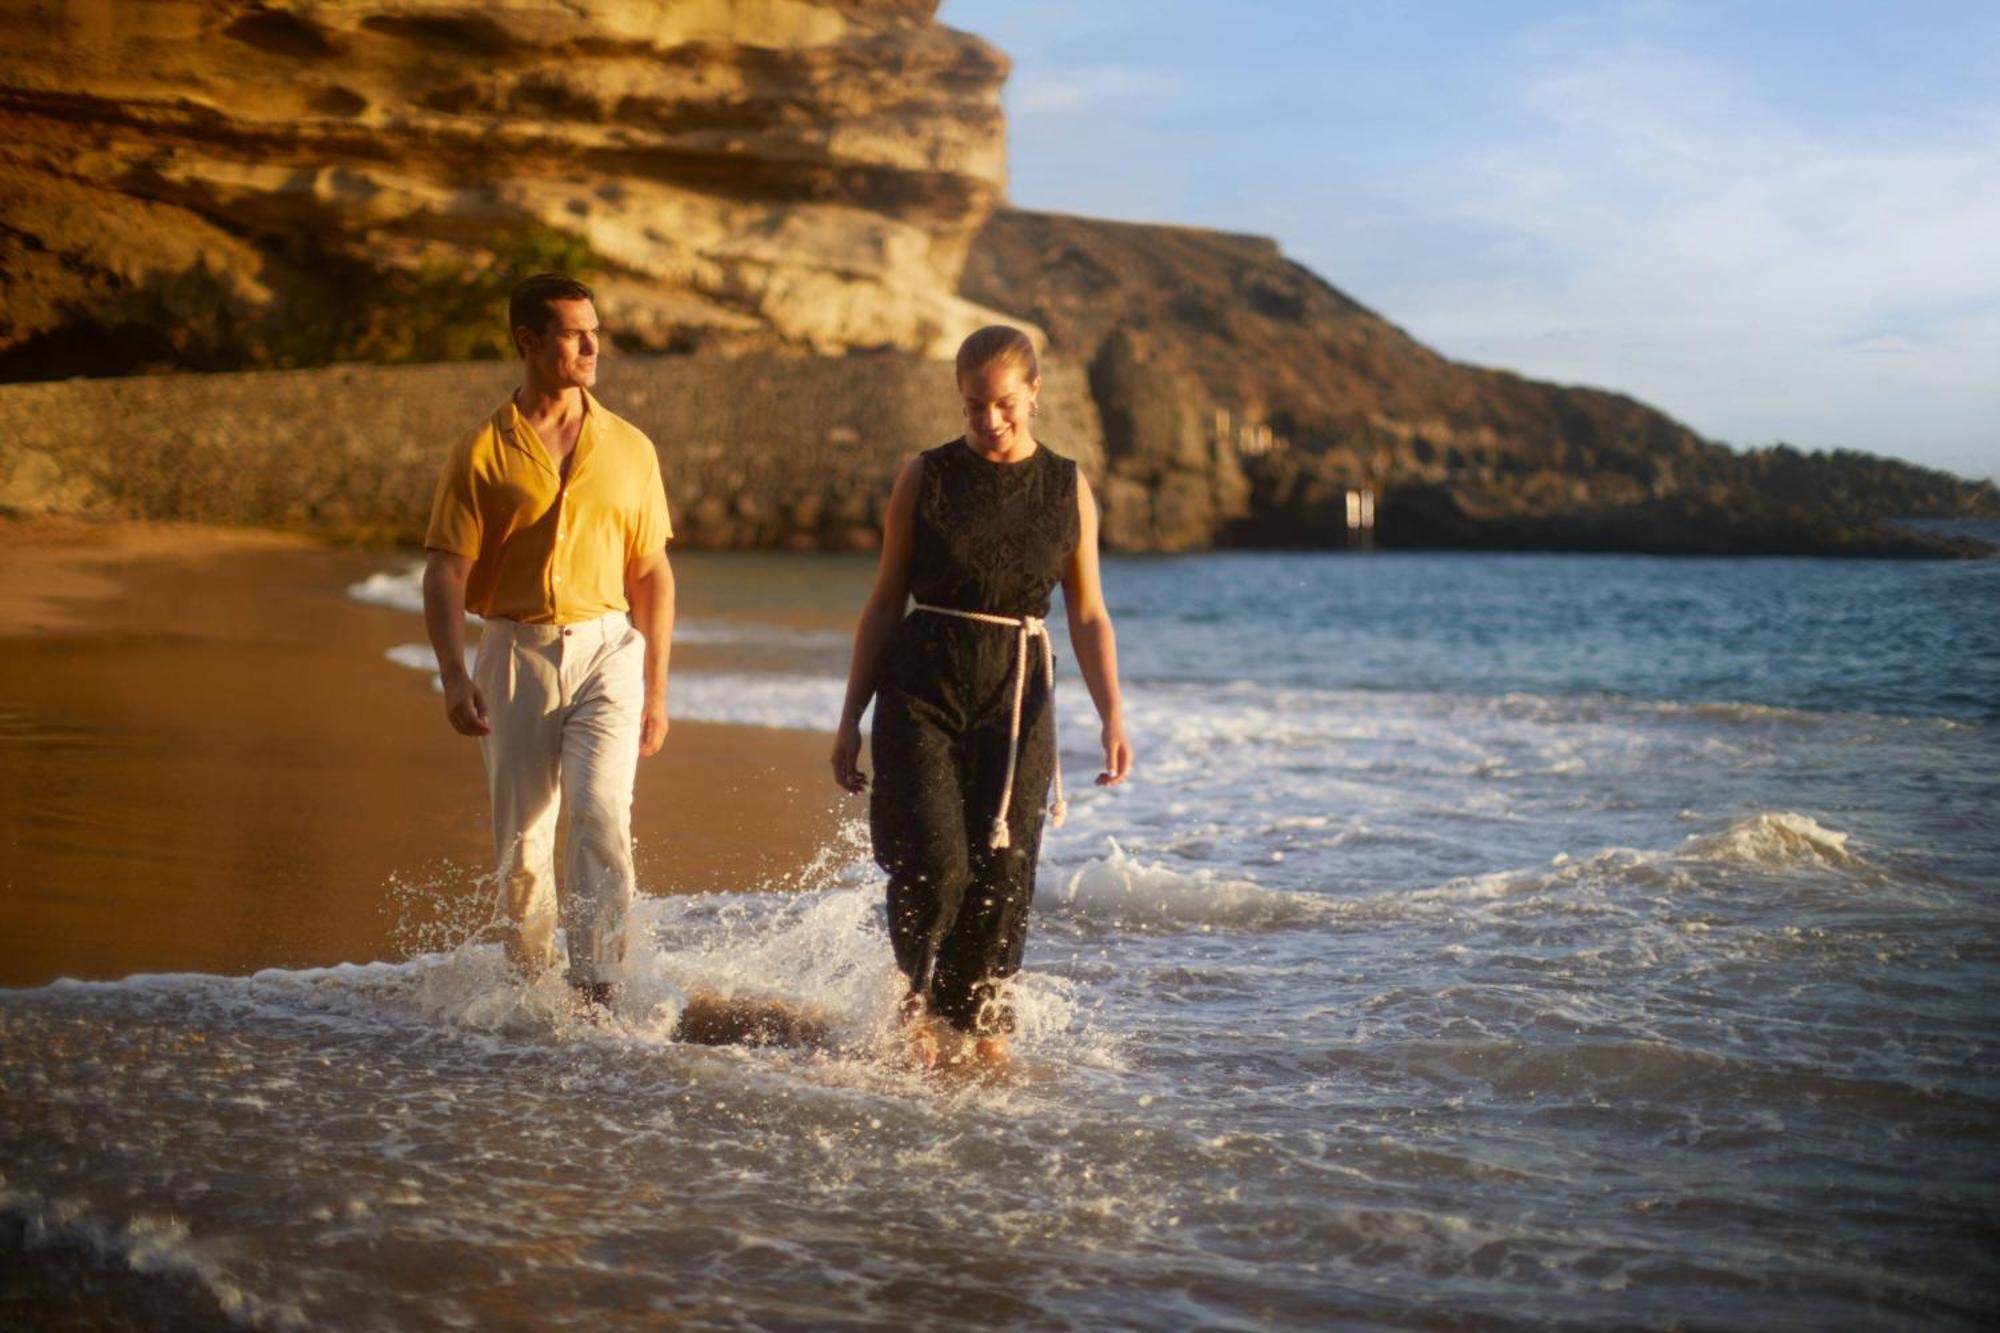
455 525
653 528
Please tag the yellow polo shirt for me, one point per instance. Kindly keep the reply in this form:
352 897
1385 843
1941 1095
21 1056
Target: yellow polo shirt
545 549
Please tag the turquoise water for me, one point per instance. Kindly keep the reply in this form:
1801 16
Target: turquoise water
1836 636
1483 941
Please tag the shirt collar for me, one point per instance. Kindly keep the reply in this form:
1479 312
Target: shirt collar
516 431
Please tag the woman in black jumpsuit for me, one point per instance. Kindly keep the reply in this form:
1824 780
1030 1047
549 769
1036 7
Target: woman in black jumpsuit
978 534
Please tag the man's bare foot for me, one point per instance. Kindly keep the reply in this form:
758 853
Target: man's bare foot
595 998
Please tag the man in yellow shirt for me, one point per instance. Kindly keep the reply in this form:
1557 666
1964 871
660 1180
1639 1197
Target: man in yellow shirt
550 521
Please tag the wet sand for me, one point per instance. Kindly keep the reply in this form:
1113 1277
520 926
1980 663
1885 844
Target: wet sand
208 764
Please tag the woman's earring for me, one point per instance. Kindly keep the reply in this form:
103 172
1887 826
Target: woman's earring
1035 408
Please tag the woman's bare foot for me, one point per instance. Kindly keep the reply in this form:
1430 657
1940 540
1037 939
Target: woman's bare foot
920 1046
920 1042
991 1052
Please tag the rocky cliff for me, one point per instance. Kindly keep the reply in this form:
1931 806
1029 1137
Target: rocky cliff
1243 397
220 183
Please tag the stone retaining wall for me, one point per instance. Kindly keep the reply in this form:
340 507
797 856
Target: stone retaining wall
760 451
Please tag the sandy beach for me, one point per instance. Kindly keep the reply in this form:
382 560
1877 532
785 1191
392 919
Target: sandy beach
211 766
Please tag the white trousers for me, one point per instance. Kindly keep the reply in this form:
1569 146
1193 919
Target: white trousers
564 703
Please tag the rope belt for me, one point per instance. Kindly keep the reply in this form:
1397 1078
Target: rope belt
1025 628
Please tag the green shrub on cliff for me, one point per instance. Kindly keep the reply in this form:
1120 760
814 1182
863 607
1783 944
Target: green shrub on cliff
434 312
325 306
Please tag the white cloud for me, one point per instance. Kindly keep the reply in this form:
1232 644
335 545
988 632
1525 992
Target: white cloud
1755 277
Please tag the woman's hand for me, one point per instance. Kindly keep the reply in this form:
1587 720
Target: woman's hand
1117 754
847 774
1091 635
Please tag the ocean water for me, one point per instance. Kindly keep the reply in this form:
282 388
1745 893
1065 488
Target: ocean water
1483 941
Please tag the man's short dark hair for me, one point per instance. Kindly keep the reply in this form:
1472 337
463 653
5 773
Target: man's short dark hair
529 305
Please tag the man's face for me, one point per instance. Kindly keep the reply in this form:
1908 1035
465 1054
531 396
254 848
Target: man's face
564 354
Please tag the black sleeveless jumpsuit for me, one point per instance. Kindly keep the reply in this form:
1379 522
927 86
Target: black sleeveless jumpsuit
995 538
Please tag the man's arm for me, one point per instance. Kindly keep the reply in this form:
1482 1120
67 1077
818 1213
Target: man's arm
444 619
649 587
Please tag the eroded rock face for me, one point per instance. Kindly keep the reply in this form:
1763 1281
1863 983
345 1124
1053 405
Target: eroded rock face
751 174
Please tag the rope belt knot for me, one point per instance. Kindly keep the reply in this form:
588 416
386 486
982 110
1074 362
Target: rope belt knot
1025 628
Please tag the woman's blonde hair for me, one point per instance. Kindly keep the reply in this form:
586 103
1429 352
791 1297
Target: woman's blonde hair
998 344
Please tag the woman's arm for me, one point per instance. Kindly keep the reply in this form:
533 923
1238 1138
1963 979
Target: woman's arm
1091 635
880 615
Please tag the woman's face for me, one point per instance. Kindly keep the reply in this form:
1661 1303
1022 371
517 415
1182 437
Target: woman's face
999 402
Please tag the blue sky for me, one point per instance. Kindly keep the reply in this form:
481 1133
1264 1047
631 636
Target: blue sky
1776 220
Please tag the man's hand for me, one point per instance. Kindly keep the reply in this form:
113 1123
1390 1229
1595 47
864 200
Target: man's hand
465 707
444 620
653 726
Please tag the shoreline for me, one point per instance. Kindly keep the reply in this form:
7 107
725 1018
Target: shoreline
780 453
213 766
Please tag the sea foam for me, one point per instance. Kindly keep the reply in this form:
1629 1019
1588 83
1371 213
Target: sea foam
1120 891
1776 839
